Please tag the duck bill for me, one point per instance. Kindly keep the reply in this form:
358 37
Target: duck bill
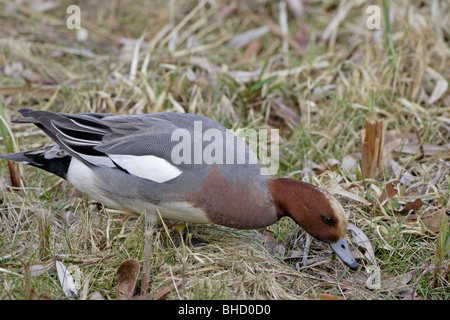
343 252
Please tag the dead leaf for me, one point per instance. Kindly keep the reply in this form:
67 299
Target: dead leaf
277 249
389 192
226 108
252 49
204 64
406 294
302 39
349 164
412 205
15 253
392 142
17 70
31 76
44 296
294 254
318 168
431 149
246 37
43 6
244 76
14 69
40 268
406 178
433 222
228 10
127 275
164 291
296 7
66 280
282 110
361 240
440 87
397 282
333 164
427 149
96 295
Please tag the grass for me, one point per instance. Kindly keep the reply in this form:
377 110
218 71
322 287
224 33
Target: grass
318 93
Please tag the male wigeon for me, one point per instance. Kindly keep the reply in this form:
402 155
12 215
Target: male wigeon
135 163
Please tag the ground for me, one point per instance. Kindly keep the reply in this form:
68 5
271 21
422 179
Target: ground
314 70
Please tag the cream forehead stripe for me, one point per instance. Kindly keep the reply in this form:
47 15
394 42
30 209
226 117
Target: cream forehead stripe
147 167
337 207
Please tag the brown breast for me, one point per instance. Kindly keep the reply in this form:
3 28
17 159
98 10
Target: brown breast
244 204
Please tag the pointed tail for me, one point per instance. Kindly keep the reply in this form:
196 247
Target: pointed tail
50 158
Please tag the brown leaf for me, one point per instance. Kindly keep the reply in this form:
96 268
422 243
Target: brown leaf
406 294
412 205
126 276
164 291
277 249
390 192
252 49
302 38
397 282
433 222
31 76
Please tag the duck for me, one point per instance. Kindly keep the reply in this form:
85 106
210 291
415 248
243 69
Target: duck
152 164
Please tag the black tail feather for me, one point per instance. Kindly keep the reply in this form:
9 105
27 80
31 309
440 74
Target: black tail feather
40 159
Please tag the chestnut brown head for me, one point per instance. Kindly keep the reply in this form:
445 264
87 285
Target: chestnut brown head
316 211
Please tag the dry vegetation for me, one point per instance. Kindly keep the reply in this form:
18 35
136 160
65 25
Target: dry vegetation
315 72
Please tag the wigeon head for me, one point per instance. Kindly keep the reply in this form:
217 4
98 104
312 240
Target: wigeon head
316 211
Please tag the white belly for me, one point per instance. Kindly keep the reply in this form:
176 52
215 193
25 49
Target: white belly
82 177
181 211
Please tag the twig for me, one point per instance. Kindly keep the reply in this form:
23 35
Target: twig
95 262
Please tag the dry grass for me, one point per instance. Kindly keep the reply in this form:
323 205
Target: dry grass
318 83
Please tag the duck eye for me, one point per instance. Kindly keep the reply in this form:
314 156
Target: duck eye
329 221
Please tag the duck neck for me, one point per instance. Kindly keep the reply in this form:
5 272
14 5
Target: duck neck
288 196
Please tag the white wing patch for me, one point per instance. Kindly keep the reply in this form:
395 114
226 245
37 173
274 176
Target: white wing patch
147 167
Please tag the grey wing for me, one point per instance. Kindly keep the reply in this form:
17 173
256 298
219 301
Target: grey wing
141 145
92 137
